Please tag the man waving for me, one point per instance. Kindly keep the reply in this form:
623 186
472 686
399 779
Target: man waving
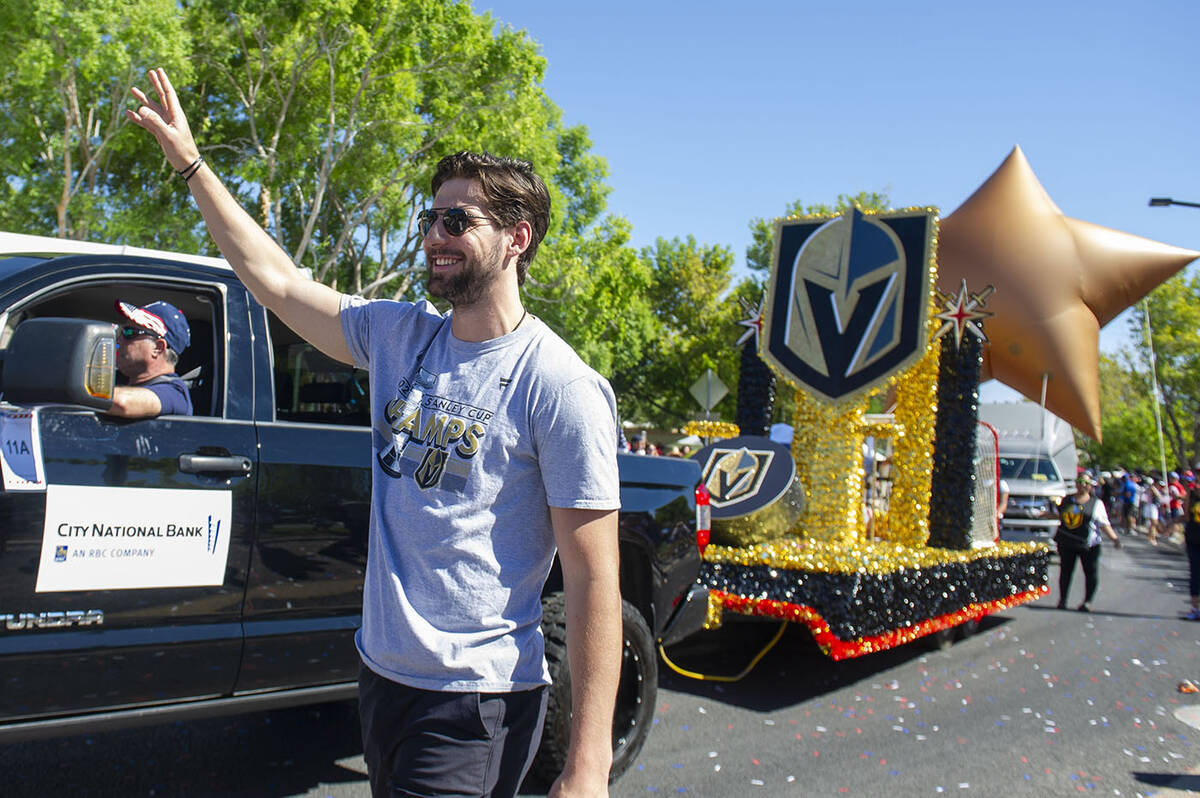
494 444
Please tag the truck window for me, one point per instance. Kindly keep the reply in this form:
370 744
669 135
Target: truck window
1038 469
198 364
311 387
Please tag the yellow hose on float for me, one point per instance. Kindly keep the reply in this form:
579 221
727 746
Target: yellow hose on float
708 678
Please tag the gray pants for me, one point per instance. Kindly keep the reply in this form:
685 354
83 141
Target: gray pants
426 742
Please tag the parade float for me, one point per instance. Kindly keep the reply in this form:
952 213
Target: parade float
877 524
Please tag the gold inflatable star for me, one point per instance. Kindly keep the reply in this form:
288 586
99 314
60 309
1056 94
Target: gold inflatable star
1058 281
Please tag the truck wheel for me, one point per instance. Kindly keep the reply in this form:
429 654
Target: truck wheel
636 691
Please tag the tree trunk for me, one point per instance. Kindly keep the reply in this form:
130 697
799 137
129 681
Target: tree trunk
1174 433
69 120
264 206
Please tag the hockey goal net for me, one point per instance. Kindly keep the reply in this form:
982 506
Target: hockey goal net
985 529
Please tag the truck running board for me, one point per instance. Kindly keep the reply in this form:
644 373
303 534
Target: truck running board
169 713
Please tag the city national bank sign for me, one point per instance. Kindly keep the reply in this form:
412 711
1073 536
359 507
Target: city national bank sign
101 538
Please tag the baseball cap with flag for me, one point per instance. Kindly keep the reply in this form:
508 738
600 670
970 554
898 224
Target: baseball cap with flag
161 318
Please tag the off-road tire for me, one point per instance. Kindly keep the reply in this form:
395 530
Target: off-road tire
636 692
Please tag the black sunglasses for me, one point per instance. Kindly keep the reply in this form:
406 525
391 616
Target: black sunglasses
456 221
134 332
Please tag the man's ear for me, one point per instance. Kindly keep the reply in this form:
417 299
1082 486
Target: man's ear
522 237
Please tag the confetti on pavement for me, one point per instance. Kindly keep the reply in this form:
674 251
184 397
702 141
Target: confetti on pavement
1065 705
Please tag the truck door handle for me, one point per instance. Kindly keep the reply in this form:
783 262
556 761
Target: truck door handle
209 463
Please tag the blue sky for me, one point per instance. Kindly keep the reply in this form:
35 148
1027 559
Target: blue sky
711 114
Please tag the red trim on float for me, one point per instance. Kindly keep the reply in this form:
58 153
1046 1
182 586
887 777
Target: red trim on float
845 649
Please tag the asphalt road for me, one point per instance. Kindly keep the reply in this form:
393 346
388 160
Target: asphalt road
1039 702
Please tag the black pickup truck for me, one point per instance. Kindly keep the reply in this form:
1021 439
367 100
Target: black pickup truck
184 567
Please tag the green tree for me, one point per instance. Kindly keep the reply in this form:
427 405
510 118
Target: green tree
758 253
593 290
1130 438
1174 316
326 118
695 328
72 162
329 118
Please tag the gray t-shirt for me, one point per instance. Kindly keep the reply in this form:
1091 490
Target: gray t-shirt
471 450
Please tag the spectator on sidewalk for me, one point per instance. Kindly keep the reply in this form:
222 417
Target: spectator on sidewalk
1152 498
1175 503
1129 502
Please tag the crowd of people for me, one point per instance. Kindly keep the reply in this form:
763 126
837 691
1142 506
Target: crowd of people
640 444
1146 504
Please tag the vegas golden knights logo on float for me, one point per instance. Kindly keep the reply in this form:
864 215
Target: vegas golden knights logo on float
850 300
745 474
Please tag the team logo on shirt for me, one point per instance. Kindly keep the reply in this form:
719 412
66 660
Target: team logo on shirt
429 470
434 438
1072 517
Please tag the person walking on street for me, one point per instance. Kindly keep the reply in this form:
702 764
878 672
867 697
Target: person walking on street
494 445
1191 539
1175 503
1129 497
1081 519
1152 498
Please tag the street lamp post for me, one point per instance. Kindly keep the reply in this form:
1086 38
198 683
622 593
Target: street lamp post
1162 449
1158 202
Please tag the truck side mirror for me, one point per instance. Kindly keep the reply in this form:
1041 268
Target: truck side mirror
61 361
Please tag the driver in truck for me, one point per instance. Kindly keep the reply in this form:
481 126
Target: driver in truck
494 444
150 340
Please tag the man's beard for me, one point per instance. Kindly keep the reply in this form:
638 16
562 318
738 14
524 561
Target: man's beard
468 284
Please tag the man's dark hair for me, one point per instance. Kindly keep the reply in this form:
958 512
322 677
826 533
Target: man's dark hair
513 191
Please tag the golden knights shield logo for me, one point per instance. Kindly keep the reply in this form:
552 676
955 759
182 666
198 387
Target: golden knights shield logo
745 474
848 300
429 471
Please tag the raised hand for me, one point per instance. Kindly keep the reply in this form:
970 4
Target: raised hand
165 120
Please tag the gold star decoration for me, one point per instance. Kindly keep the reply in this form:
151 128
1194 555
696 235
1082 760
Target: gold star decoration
962 314
1058 280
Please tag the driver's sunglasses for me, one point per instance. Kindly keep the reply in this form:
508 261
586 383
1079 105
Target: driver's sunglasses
456 221
134 332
